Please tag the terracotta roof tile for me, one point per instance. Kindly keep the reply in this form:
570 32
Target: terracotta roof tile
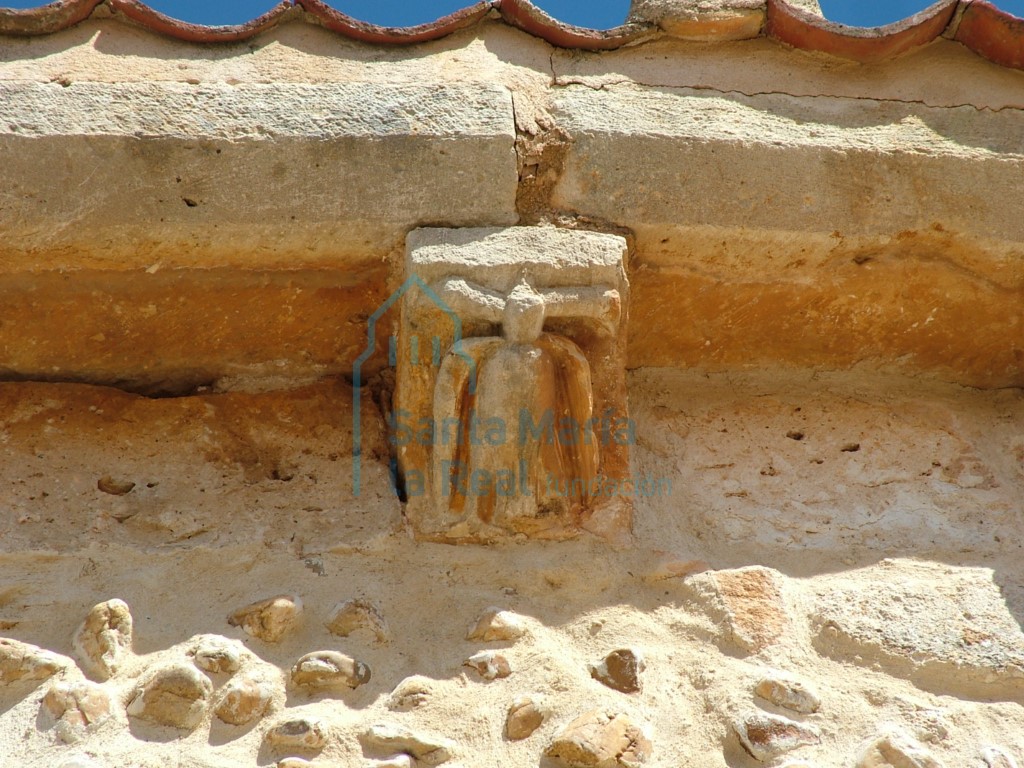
336 21
800 29
142 14
528 17
47 18
990 32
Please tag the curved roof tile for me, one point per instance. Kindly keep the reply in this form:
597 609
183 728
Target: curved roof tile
800 29
142 14
985 29
46 19
992 33
336 21
530 18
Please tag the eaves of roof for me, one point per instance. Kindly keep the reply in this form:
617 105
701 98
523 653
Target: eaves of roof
977 24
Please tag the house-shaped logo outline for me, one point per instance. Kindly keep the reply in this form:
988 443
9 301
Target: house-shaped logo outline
371 346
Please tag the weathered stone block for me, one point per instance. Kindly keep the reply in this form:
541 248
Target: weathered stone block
160 172
960 638
703 19
824 232
189 215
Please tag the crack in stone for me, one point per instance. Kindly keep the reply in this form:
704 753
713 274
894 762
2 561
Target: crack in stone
570 80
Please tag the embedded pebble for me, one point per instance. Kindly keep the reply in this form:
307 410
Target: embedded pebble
670 567
80 761
174 696
745 604
525 716
76 706
23 661
896 749
115 487
244 698
217 655
489 665
268 620
412 692
301 762
356 614
788 692
767 737
620 670
995 757
600 739
303 733
496 625
329 670
104 639
395 761
390 740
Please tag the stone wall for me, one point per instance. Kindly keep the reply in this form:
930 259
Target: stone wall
816 329
809 212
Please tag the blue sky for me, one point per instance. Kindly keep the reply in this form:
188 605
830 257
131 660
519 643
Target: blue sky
599 14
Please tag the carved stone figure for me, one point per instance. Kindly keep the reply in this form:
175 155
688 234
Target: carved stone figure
510 424
518 439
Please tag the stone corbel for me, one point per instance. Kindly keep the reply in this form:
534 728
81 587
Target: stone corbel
510 414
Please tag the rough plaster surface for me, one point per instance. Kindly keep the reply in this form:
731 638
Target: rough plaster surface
270 111
248 500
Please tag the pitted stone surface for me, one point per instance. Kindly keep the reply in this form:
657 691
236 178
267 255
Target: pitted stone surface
947 629
244 698
600 739
220 111
104 640
385 738
174 696
329 671
358 614
23 661
270 619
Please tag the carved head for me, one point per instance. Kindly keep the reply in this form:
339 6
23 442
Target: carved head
523 317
